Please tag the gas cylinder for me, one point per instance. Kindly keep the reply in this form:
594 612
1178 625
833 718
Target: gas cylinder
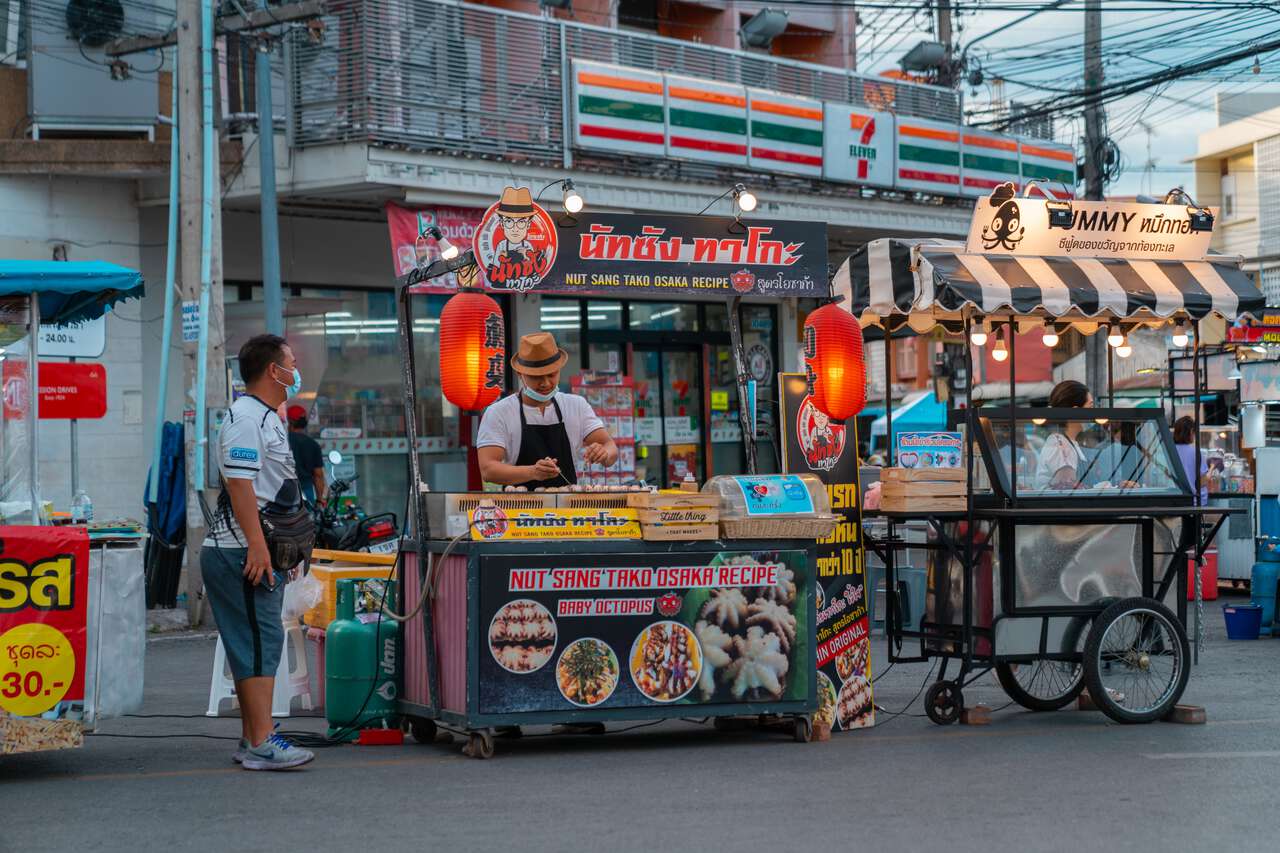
1262 584
361 670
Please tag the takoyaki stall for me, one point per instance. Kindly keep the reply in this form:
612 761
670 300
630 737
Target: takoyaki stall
567 590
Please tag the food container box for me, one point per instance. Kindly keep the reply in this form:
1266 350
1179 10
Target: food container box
913 489
327 609
680 532
780 527
671 498
927 475
769 495
680 515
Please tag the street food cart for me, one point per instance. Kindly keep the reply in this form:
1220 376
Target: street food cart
611 600
72 602
1055 584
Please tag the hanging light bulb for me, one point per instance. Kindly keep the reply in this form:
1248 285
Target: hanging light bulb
1115 337
1038 421
448 251
978 334
572 201
1180 338
1001 352
1124 350
744 198
1050 336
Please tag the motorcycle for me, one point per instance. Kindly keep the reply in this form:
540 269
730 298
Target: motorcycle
348 528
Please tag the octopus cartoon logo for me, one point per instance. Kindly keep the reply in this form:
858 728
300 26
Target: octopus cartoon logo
1005 231
490 521
516 242
821 441
743 281
669 605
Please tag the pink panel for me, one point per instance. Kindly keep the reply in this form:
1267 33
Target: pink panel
450 610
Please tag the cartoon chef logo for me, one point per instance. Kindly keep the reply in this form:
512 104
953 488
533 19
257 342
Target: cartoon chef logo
821 441
516 242
743 281
1005 231
489 520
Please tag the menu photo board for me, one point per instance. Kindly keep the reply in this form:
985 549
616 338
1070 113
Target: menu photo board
813 444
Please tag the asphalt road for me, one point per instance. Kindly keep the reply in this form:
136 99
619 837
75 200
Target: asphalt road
1063 781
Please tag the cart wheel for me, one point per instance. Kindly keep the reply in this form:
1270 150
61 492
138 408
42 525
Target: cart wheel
480 745
1044 685
803 729
423 731
1136 661
943 702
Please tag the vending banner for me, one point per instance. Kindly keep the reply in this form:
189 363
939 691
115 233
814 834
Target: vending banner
413 247
814 445
616 631
44 591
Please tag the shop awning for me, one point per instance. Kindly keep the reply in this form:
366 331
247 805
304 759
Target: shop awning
70 291
921 412
936 280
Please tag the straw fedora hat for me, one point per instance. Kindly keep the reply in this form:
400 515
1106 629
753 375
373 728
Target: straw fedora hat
538 355
516 203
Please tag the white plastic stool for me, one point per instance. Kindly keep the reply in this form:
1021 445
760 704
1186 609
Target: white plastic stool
291 679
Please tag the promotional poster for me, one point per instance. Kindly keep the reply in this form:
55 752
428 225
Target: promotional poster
813 444
637 630
44 591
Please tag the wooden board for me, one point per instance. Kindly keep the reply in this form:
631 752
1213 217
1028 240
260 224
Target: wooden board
680 515
672 499
911 489
923 504
931 475
680 532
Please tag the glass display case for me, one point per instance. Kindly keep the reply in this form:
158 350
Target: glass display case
1061 457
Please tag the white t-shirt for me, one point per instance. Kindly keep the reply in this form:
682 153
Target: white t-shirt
500 424
1058 452
254 445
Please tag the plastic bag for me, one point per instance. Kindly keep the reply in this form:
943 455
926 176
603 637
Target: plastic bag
300 596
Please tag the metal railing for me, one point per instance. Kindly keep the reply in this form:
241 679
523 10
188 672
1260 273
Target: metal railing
465 79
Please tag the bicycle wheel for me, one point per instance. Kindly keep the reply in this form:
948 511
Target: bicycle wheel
1043 685
1136 661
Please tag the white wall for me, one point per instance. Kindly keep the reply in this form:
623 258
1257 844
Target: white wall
98 220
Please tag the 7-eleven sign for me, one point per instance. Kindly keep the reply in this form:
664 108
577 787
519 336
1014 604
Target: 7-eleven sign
859 145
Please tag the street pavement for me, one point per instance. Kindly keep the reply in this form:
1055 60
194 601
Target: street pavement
1065 781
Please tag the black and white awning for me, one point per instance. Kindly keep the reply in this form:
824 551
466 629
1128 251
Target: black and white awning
935 280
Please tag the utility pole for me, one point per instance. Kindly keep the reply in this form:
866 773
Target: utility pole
273 302
1094 120
191 201
946 74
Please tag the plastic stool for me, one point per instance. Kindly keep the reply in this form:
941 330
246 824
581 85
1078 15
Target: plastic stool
317 635
291 680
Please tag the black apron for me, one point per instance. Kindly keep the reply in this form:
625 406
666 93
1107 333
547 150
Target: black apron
538 441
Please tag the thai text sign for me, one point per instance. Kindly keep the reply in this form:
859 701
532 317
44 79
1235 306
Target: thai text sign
1006 225
44 589
660 255
491 523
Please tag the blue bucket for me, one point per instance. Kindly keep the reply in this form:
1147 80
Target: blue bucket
1244 621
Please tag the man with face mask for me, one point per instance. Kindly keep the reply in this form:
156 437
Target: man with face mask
538 437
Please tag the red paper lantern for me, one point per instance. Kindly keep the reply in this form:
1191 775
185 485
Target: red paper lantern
473 350
834 365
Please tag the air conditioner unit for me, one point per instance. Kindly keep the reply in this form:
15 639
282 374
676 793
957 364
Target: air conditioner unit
69 79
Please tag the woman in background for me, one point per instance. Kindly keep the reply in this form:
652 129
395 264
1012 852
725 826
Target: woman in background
1184 438
1061 456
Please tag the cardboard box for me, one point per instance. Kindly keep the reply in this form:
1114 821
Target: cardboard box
680 532
929 475
671 499
911 489
680 515
920 504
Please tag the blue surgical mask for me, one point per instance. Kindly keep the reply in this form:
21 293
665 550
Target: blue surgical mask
539 396
296 387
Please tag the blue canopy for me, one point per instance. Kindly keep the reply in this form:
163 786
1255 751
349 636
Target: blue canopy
70 291
923 412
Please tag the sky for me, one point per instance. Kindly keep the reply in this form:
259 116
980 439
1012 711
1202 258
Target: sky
1046 51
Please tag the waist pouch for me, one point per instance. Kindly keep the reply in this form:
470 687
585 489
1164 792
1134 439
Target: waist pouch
290 537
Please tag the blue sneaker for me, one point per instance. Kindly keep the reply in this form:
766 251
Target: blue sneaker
275 753
242 749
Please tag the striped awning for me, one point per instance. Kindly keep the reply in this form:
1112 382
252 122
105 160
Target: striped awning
932 281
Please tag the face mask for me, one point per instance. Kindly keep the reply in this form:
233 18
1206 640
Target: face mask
296 387
539 396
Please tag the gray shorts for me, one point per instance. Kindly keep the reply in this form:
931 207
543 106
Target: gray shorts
248 615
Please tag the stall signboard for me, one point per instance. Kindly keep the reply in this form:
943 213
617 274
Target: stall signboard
68 390
44 590
814 445
86 340
1267 332
495 523
619 630
1006 224
775 494
412 247
928 449
665 255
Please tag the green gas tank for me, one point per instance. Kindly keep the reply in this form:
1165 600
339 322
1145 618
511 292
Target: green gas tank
361 669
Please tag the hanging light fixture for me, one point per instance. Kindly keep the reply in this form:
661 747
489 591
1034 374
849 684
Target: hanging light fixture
744 199
572 201
1115 336
1050 336
1124 350
834 365
1038 421
472 350
448 251
1180 337
978 334
1000 352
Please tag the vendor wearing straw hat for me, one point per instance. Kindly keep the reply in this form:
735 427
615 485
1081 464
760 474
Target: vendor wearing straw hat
533 437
